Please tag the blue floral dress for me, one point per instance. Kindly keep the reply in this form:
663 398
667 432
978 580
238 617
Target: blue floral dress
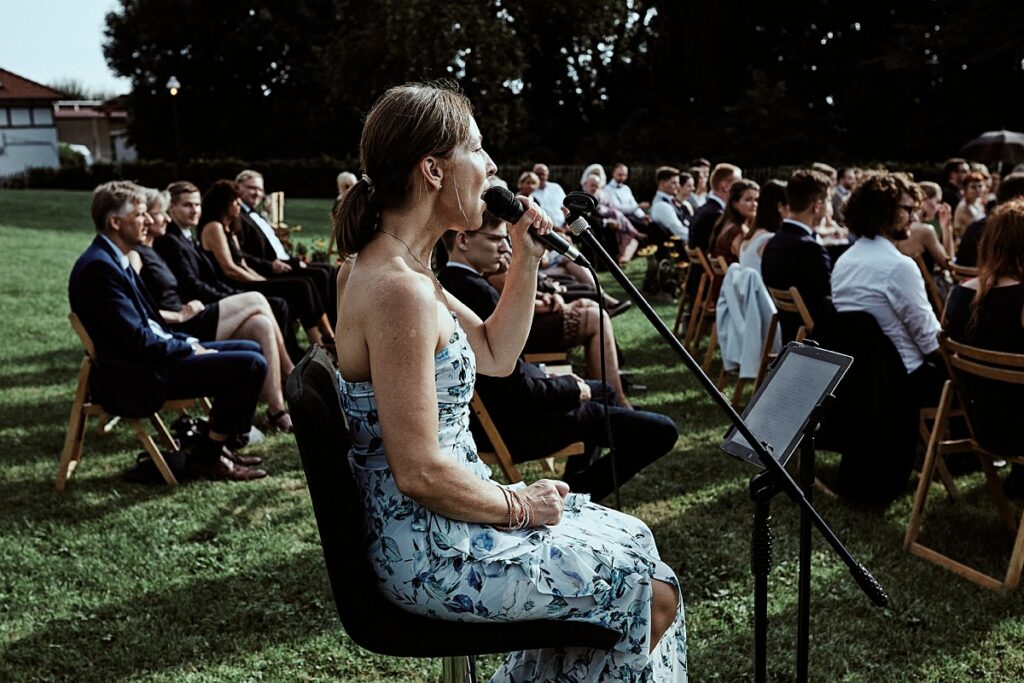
596 565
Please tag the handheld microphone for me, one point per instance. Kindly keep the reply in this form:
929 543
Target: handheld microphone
503 204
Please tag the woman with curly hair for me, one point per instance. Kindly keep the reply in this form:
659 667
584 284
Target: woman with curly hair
873 276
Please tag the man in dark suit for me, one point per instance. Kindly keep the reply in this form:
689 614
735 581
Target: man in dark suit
558 410
956 170
703 223
140 363
265 253
197 277
794 258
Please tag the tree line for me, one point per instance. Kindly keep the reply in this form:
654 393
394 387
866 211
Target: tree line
570 81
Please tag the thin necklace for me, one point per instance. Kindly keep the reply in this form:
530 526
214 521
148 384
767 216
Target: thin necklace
415 258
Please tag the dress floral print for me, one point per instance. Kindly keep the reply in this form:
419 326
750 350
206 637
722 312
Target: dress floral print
596 565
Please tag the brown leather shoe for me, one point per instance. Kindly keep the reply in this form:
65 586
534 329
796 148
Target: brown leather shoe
225 470
239 459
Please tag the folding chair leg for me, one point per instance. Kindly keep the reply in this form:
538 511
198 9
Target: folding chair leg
161 429
995 487
709 355
454 670
737 394
1016 561
947 478
154 452
75 436
924 483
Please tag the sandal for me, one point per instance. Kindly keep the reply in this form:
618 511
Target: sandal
275 421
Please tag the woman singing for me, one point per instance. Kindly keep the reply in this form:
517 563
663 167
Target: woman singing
448 541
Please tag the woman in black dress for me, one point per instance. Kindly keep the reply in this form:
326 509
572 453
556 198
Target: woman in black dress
222 206
988 312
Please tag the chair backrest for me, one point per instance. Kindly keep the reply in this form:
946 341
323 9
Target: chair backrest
501 454
275 207
324 442
929 284
718 265
83 335
790 301
990 385
698 261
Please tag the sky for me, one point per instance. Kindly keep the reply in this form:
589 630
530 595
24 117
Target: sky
52 40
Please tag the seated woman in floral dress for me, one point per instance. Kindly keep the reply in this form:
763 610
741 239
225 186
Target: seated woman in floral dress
448 541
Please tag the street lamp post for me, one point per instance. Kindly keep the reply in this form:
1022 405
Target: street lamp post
173 86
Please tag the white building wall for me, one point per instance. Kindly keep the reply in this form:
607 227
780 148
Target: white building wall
22 148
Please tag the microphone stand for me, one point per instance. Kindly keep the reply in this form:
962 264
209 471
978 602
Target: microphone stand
868 584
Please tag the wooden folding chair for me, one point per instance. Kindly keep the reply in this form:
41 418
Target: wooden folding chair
718 269
702 301
967 364
501 456
275 209
933 289
83 407
546 357
786 301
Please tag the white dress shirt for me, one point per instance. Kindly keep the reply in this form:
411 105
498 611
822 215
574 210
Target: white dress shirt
621 197
279 251
549 197
663 212
874 276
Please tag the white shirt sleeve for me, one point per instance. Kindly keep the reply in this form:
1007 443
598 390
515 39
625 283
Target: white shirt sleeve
909 300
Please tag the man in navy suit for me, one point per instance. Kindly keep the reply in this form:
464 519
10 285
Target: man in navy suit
794 258
540 414
703 222
140 363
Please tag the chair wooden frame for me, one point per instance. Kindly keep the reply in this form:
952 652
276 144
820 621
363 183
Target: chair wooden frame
1004 367
501 456
546 357
786 301
83 407
929 284
718 269
699 308
275 209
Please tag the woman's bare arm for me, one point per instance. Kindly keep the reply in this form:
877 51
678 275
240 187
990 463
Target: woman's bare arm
215 241
401 339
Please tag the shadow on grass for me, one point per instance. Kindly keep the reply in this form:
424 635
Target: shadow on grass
195 624
56 367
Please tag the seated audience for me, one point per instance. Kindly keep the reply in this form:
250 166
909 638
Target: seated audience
345 180
988 312
937 214
264 251
548 195
971 208
1011 187
610 224
846 178
955 170
771 209
222 207
557 410
196 274
922 241
620 196
685 193
141 363
527 183
700 172
873 276
668 218
794 258
594 169
703 222
557 326
245 315
736 221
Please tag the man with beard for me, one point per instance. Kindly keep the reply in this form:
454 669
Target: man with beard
873 276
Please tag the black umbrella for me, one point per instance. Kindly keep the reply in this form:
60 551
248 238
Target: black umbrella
996 145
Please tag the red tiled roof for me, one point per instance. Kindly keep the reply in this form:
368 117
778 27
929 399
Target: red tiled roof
15 87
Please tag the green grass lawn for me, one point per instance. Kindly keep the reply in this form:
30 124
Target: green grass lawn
225 582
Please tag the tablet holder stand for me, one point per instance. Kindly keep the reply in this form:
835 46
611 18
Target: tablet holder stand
580 203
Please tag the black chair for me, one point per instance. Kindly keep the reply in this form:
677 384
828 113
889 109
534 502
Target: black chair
369 619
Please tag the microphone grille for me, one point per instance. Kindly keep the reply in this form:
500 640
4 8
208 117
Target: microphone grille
578 225
502 203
